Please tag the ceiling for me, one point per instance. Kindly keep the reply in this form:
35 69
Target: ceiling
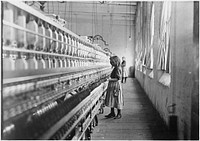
117 11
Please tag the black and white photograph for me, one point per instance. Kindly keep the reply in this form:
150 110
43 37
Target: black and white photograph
99 70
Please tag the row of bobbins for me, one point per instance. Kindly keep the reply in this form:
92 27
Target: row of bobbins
45 38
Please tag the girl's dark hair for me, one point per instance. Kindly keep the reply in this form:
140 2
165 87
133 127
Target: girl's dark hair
115 61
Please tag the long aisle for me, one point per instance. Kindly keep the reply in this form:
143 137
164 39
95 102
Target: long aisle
140 121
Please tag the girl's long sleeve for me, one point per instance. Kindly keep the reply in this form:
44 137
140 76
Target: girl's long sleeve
116 73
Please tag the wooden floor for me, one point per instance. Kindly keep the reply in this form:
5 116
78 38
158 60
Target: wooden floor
140 121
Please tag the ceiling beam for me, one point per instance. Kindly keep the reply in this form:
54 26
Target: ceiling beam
98 13
131 3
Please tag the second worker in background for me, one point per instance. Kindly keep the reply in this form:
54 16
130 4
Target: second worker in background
124 70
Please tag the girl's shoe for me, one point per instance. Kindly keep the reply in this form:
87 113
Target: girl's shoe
110 115
118 116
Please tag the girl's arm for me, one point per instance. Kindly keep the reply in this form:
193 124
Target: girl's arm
113 79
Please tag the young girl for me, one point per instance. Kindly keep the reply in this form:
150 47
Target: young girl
124 70
114 96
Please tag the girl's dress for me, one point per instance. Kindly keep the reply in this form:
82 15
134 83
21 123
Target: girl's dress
114 97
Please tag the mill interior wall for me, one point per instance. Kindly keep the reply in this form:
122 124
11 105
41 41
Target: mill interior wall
184 77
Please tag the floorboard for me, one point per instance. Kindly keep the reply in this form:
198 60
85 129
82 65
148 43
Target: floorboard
140 121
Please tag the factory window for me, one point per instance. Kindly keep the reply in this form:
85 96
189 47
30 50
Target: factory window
139 49
164 58
144 38
144 59
150 54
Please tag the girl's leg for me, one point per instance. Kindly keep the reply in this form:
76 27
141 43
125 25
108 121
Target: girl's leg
119 115
125 79
122 79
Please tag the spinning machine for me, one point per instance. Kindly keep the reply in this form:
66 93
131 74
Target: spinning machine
53 82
